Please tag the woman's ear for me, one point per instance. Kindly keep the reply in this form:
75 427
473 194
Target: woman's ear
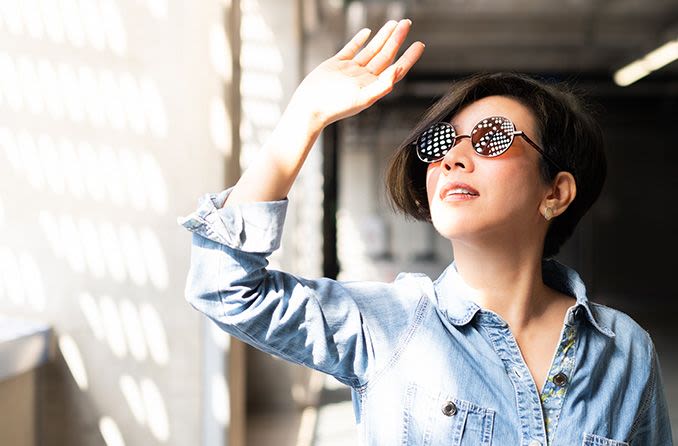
560 194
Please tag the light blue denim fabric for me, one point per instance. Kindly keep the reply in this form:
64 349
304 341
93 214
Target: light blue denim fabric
426 365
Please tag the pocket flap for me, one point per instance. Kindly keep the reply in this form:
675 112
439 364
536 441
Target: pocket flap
597 440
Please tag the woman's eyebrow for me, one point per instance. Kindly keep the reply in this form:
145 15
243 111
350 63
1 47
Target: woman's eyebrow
457 128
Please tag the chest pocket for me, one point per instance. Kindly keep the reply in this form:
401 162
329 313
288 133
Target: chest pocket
433 419
596 440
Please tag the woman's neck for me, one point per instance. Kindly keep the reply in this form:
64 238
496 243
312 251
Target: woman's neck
505 280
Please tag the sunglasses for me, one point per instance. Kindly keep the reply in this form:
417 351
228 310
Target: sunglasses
490 137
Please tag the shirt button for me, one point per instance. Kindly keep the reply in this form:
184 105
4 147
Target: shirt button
535 443
449 408
560 379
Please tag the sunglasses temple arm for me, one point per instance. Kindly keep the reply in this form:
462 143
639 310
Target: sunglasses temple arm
539 149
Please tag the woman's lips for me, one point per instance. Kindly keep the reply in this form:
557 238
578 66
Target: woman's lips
457 191
459 197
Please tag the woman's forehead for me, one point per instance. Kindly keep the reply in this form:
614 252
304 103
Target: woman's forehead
511 108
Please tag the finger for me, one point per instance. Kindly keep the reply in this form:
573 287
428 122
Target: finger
352 47
409 58
367 53
379 88
385 56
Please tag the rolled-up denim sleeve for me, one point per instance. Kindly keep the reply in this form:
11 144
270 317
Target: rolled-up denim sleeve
336 327
653 426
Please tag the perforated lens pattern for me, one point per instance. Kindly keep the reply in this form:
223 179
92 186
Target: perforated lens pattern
492 136
435 142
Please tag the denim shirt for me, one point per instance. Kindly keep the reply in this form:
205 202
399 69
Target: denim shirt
426 365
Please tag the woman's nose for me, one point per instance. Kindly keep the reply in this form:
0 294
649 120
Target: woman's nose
458 155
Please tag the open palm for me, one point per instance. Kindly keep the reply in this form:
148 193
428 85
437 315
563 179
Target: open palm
354 79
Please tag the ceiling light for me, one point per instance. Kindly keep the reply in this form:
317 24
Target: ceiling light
652 61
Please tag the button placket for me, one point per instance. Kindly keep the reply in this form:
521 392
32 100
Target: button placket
557 384
527 396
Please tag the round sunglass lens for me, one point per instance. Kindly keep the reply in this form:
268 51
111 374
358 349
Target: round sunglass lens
492 136
435 142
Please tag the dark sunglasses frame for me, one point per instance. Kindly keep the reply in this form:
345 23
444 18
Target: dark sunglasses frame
445 127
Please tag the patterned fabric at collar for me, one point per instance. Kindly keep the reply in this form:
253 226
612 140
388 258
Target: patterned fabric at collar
450 290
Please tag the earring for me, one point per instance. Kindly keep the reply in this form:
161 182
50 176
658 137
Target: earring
548 213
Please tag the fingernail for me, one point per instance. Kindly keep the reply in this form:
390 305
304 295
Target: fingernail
409 21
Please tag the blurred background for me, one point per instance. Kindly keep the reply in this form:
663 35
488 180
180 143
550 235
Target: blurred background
116 115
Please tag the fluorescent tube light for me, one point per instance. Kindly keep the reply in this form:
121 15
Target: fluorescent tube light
663 55
652 61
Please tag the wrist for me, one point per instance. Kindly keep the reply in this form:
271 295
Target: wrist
300 112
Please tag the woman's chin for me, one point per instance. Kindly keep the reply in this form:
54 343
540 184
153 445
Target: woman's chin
455 230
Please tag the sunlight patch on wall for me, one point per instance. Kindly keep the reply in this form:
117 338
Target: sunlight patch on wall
84 95
147 405
70 241
110 243
133 329
155 333
132 393
94 24
110 432
92 248
126 326
71 353
31 277
101 248
11 276
93 316
115 335
122 176
21 279
154 258
156 413
131 249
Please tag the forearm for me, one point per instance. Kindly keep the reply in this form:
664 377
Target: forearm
271 175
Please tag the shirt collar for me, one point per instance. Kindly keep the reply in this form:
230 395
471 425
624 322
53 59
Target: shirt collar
450 290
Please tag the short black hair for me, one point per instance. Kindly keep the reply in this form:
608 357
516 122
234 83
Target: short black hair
568 132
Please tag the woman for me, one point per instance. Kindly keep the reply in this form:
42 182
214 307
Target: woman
504 348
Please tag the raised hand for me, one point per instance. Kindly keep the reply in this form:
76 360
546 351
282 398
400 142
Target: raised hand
355 78
343 85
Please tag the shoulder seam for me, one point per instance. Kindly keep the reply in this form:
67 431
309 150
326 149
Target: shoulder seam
649 390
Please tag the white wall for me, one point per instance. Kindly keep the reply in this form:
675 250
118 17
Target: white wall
105 138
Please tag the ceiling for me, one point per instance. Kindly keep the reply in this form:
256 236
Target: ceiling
587 37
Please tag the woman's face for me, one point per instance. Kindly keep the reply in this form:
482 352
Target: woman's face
509 186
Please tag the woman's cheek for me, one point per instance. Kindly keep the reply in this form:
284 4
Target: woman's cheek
432 174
